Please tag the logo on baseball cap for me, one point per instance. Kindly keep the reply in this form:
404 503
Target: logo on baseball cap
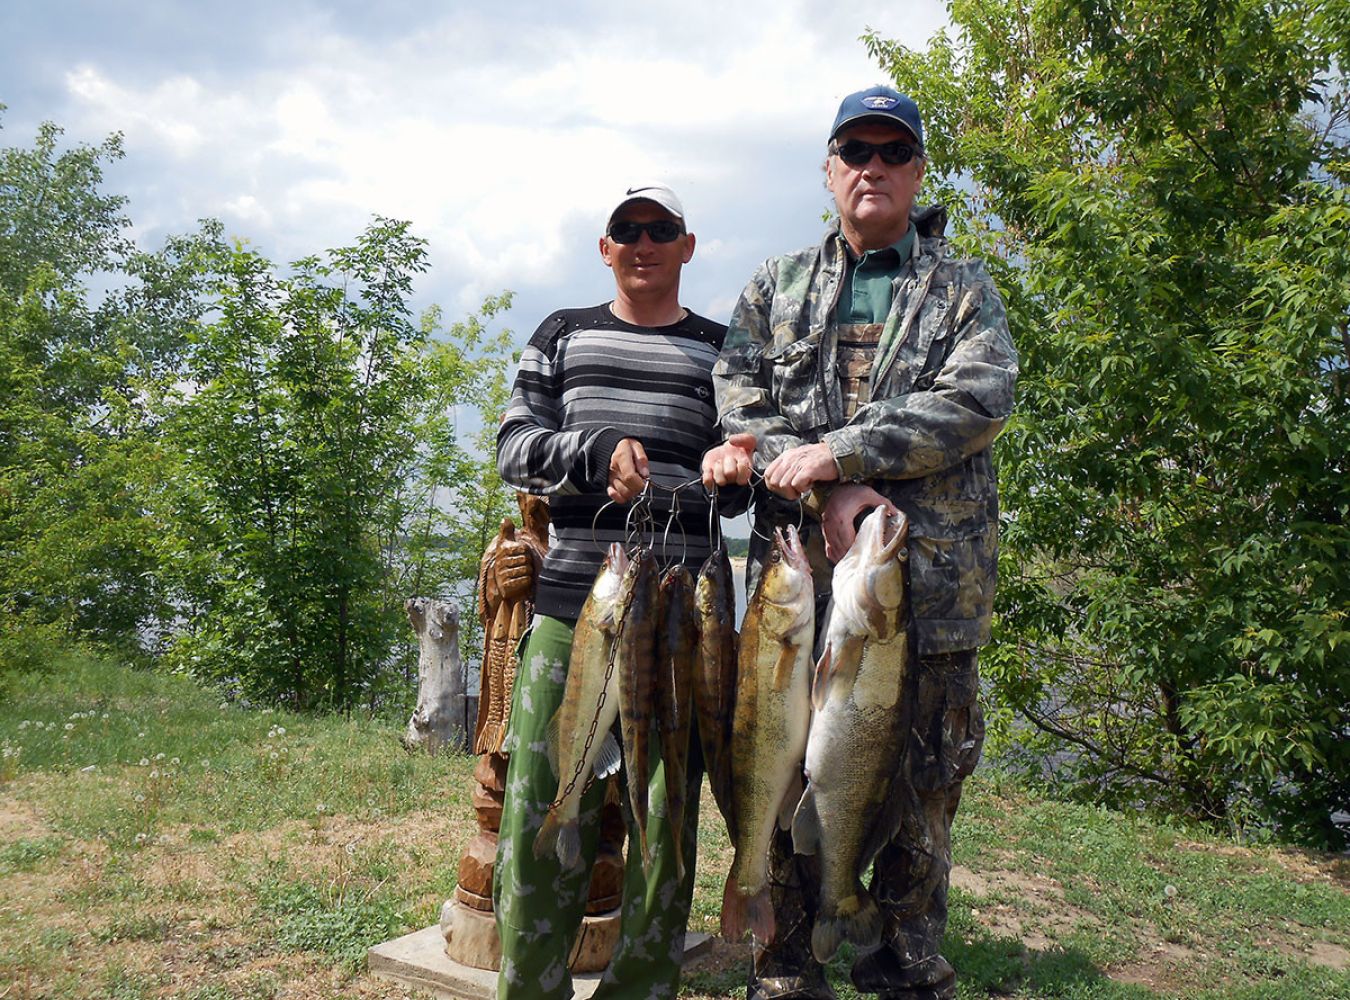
879 104
661 194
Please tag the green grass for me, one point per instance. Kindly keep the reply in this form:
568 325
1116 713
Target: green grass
153 828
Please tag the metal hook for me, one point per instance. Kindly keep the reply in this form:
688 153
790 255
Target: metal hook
674 520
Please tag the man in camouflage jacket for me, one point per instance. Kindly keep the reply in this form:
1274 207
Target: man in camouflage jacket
877 369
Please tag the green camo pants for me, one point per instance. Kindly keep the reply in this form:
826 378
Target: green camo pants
538 904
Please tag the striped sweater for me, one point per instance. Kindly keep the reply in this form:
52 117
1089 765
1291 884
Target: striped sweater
586 381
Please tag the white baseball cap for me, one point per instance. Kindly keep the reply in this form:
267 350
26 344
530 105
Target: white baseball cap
659 193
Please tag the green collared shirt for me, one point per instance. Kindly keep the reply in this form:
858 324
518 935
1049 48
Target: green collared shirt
866 293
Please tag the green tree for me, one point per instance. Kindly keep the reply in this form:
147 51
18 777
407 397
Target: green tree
319 437
1161 188
77 369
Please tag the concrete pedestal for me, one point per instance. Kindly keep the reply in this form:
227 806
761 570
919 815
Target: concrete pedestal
419 959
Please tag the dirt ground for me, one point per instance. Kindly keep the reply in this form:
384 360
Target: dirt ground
180 918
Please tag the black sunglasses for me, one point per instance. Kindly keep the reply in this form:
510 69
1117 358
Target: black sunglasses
857 153
661 231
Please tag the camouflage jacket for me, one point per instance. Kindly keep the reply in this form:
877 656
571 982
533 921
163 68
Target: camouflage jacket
941 389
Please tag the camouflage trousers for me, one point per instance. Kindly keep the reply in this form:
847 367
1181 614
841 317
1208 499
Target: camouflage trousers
910 875
539 905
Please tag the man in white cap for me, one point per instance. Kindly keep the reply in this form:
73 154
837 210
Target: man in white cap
606 398
875 369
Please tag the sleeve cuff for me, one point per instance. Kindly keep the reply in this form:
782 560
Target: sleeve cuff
598 454
815 502
847 456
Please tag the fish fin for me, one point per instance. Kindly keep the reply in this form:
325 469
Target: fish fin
806 824
609 757
821 678
743 912
857 919
612 795
789 804
846 662
760 918
787 659
552 736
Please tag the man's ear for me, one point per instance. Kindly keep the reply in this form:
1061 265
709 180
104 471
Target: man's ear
604 251
688 247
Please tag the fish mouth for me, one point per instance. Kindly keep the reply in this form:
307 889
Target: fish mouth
794 553
884 532
618 558
894 533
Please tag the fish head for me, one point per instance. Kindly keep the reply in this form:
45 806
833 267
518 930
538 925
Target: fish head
787 575
713 590
883 543
882 536
869 582
603 603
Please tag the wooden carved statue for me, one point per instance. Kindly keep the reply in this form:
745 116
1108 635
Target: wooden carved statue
505 604
506 578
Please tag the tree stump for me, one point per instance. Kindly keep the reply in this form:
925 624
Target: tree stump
438 720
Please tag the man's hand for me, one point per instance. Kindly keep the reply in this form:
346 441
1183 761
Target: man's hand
836 520
729 463
628 470
794 472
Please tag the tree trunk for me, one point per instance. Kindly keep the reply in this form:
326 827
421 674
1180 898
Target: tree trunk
438 720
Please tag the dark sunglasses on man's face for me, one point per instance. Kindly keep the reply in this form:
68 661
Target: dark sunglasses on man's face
661 231
857 153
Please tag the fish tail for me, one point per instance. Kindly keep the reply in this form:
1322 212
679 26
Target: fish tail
547 840
569 844
743 911
560 838
857 919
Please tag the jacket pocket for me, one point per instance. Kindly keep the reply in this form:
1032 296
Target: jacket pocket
795 381
952 579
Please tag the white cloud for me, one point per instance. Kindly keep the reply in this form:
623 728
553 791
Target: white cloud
501 134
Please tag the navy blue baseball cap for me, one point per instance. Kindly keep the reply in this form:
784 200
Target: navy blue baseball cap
882 105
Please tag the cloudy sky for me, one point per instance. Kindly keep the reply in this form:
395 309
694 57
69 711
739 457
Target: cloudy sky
502 132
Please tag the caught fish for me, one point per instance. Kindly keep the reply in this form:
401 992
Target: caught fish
857 732
579 740
768 738
635 666
676 652
715 678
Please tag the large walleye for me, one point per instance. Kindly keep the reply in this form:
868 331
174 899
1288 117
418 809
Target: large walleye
715 678
857 732
772 716
579 739
635 665
676 652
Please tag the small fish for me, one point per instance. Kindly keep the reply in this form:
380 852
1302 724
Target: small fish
635 666
715 675
590 696
857 732
768 738
676 653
